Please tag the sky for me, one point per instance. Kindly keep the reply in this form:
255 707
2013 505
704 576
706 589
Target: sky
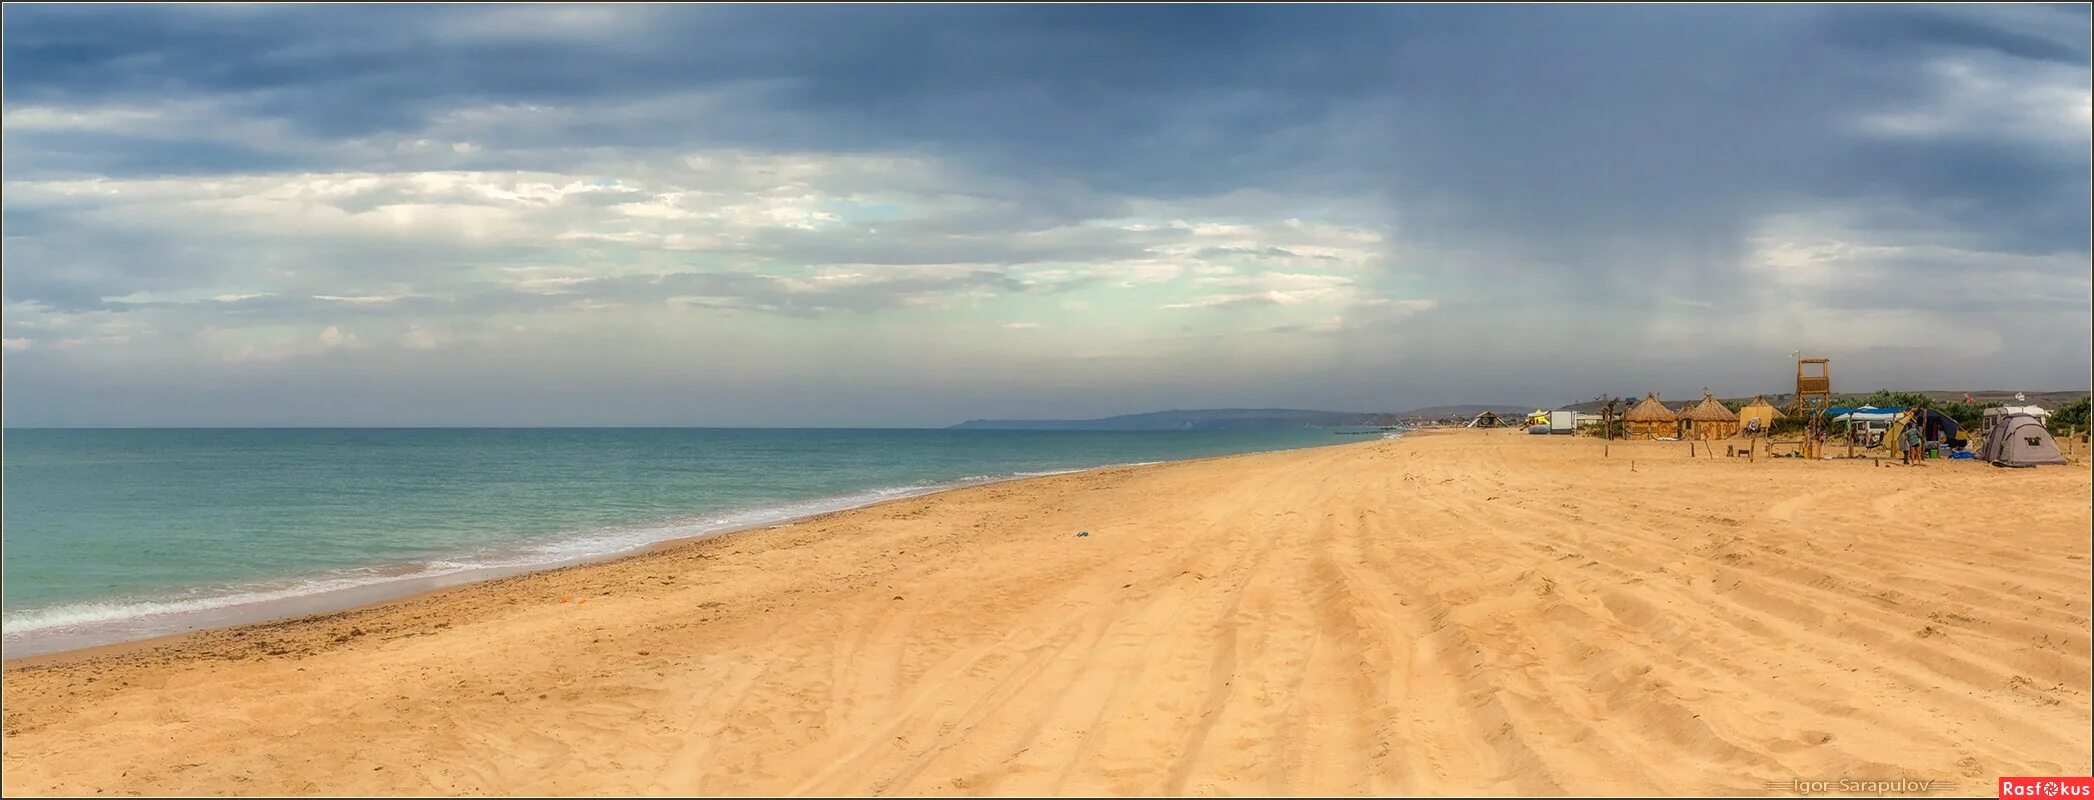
916 215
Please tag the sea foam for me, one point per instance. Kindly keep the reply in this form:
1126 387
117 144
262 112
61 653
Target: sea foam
69 625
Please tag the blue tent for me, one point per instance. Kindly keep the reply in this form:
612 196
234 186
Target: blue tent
1931 423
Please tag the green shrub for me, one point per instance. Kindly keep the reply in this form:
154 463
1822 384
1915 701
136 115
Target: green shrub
1616 428
1884 398
2072 416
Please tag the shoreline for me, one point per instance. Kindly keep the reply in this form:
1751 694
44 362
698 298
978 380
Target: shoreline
1451 613
380 594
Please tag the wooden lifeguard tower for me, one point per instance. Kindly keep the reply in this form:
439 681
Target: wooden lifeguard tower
1813 385
1813 397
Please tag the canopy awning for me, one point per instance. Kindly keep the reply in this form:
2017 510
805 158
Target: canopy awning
1872 415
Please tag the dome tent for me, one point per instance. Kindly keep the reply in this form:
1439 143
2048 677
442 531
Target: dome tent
1933 424
2019 440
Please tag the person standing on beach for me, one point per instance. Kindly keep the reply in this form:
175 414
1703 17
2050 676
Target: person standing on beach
1912 442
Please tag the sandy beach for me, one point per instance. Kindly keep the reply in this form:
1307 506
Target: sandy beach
1449 613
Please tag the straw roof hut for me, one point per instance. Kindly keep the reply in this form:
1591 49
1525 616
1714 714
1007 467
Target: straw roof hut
1761 411
1650 419
1708 419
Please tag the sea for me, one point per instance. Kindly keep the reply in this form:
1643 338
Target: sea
120 534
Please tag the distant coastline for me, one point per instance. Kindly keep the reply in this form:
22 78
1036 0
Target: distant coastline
1228 419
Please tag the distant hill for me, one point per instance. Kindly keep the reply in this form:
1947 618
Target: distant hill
1461 411
2044 399
1200 420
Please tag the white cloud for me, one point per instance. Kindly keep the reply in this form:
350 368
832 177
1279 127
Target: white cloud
101 119
419 338
1811 258
1278 289
659 250
1976 97
16 344
549 22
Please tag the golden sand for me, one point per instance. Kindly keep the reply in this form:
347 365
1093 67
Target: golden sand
1452 613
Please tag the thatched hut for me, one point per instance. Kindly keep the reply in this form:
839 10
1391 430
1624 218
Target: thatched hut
1708 419
1650 419
1760 411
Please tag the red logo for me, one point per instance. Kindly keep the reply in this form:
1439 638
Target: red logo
2082 787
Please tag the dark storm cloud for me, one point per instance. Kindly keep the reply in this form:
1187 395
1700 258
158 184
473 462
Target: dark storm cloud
1576 123
2054 32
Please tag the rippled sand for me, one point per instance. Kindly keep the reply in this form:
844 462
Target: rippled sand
1452 613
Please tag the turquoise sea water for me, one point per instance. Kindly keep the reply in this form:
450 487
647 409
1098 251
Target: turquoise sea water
115 534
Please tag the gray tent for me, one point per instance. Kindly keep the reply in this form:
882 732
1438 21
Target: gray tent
2019 440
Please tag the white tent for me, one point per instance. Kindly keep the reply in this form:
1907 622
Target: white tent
2033 411
1868 414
